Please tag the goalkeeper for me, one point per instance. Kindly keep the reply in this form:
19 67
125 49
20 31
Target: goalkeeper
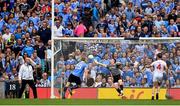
115 69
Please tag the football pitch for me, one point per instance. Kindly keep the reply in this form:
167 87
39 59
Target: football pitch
86 102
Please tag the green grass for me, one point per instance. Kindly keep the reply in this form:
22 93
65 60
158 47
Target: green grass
85 102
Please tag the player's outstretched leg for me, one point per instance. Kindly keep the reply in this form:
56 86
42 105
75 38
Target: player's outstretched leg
65 89
120 82
73 87
116 85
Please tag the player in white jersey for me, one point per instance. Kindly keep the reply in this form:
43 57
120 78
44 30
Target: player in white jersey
160 67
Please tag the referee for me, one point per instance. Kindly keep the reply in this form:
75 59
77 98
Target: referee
26 76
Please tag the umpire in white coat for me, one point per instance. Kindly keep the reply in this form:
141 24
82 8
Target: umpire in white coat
26 76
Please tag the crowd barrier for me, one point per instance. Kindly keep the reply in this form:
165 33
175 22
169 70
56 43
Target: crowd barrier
9 89
2 89
108 93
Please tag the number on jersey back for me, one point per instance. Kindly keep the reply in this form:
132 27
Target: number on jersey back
159 65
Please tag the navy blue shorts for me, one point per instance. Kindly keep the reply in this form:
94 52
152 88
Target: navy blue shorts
75 79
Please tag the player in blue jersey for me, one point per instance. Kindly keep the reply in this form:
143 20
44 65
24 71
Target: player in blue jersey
75 76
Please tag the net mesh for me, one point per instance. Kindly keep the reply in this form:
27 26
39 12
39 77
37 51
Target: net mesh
142 48
114 41
70 45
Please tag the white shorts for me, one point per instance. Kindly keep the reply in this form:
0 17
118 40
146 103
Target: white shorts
157 76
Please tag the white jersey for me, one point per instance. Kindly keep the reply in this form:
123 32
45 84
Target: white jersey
58 32
159 66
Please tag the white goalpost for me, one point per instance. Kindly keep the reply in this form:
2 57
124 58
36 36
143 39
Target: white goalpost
52 48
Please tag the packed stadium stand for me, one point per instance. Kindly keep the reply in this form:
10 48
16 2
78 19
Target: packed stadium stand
25 31
117 18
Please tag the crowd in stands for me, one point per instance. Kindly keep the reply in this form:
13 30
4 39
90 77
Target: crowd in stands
133 59
117 18
25 31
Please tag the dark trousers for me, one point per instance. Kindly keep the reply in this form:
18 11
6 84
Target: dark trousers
32 86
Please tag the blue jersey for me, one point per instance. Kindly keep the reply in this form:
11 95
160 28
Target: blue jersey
28 49
79 69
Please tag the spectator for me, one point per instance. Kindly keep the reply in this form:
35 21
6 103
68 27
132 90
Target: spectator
45 33
28 49
38 67
104 83
60 64
129 13
177 84
10 42
58 29
133 83
44 81
149 10
90 81
138 78
13 75
80 30
24 7
7 35
68 32
67 72
42 54
49 55
172 27
91 32
18 47
127 81
159 22
172 15
110 82
144 83
98 81
2 22
57 79
95 13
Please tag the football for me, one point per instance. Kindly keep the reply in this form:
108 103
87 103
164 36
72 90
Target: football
90 57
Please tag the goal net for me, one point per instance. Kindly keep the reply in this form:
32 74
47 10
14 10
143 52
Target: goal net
132 54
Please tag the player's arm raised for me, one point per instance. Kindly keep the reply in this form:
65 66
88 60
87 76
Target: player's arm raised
104 65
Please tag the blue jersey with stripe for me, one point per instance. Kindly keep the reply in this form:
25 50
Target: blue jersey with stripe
79 69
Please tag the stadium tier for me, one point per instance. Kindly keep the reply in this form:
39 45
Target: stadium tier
116 18
24 32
